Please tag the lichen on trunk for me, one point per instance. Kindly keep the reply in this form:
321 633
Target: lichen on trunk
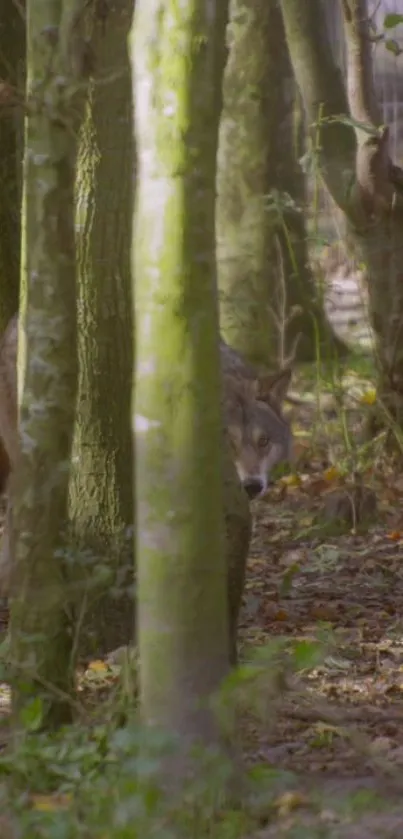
245 248
267 293
41 644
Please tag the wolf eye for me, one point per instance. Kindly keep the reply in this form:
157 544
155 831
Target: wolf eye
263 441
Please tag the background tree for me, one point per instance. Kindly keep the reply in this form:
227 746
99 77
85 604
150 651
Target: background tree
263 265
101 497
12 80
356 166
183 631
101 489
40 629
12 60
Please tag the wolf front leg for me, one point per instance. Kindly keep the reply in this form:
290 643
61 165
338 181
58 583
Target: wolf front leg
238 528
8 440
6 550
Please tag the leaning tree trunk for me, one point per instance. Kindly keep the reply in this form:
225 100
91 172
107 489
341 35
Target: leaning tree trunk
357 169
101 498
41 641
183 625
263 268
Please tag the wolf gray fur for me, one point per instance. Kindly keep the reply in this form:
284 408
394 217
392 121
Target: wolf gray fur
260 434
8 435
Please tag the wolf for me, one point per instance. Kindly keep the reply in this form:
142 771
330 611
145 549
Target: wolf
260 435
8 437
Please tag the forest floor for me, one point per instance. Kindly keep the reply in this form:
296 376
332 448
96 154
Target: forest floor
323 616
325 578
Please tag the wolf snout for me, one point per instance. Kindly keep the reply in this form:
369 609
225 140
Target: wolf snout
253 487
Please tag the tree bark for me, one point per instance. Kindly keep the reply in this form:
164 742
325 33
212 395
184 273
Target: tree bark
355 164
182 610
101 496
267 292
246 253
12 59
41 644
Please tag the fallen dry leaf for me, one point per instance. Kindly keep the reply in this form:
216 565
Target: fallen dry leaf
332 474
98 666
292 480
316 487
289 801
50 803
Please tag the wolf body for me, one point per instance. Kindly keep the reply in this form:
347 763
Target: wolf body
8 437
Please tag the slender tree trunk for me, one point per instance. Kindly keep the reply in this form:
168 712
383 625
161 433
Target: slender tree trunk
357 169
12 59
267 293
101 497
293 291
183 628
245 247
41 642
12 72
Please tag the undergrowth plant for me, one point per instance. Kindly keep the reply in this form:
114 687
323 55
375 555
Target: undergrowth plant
100 777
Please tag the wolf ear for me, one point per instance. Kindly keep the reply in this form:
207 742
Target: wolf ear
273 386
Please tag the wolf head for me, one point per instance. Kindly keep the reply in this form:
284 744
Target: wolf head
260 435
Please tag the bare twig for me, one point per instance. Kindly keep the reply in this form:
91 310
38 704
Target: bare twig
282 318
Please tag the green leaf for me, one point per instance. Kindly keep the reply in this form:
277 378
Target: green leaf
393 47
32 714
307 654
391 20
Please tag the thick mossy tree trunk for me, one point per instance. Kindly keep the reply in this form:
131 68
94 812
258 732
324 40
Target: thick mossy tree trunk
101 494
263 267
41 642
12 60
357 170
182 578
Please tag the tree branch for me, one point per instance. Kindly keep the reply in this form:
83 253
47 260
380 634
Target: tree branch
354 164
360 85
373 185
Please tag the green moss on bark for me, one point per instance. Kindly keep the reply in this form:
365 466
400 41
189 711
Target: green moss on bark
182 577
258 174
41 643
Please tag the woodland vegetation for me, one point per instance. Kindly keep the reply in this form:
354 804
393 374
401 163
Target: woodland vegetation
175 659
